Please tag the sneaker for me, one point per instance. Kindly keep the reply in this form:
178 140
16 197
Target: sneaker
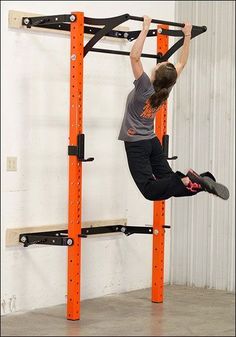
208 174
208 184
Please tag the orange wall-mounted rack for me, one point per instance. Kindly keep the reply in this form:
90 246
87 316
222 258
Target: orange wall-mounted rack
77 24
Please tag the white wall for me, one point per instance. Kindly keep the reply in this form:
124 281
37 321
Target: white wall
203 232
35 105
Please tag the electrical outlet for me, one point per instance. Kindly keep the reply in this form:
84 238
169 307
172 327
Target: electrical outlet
11 163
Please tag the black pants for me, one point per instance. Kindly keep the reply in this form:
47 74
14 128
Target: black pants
152 173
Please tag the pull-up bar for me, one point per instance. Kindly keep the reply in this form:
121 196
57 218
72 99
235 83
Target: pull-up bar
168 23
62 22
125 53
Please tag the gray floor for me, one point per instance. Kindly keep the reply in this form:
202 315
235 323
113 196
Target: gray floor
185 312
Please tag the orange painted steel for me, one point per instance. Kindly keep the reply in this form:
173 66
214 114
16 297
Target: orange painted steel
159 206
75 167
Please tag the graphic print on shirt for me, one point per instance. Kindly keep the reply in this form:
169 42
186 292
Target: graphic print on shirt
131 132
148 111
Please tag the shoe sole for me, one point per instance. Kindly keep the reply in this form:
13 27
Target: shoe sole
210 185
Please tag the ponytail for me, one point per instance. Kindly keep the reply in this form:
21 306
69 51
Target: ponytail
159 97
165 78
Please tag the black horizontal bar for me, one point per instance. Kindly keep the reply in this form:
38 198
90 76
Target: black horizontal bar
139 18
126 53
132 35
169 23
104 21
127 230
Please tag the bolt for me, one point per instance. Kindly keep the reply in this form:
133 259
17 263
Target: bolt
159 30
73 57
126 35
72 18
155 232
123 229
26 21
69 242
23 239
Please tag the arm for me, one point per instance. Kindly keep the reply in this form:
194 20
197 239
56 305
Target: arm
185 49
137 48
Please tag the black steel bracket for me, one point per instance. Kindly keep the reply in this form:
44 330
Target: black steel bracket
79 149
55 238
60 238
165 147
127 230
50 20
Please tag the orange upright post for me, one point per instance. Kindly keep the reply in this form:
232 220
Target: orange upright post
75 167
159 206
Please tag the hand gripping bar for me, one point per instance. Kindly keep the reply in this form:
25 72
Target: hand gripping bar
169 23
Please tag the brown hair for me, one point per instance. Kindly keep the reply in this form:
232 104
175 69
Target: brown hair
165 78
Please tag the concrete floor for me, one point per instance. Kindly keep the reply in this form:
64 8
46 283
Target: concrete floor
185 312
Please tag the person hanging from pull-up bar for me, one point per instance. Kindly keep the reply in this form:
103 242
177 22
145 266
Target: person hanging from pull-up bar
147 163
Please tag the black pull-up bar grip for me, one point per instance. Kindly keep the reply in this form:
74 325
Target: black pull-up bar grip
119 52
169 23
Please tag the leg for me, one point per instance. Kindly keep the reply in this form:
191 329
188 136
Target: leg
169 184
160 166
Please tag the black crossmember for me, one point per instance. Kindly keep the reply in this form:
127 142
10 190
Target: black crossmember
62 22
60 238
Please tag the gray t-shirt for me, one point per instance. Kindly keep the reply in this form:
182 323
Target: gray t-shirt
138 122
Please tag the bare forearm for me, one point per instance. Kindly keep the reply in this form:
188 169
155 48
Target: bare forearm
137 48
185 51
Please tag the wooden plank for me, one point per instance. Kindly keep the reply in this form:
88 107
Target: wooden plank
12 234
15 21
